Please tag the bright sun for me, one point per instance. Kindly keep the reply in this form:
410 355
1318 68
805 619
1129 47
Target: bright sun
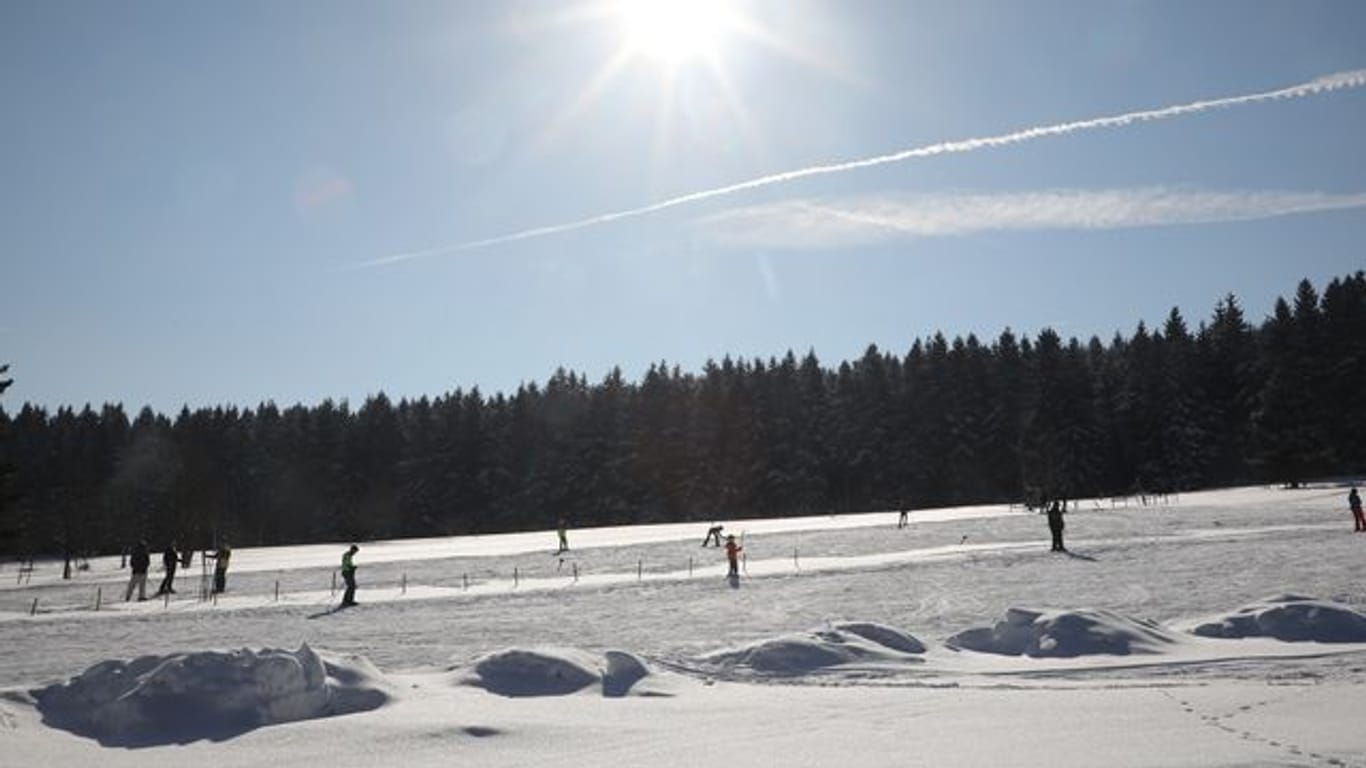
673 31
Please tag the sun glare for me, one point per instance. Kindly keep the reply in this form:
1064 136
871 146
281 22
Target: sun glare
673 31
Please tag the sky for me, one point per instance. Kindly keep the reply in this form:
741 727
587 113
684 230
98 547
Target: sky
205 204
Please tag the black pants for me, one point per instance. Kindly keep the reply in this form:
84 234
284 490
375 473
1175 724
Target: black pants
220 581
167 582
1359 520
1057 540
350 597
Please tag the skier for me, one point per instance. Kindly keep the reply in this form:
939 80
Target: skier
169 560
348 570
221 559
1055 525
713 534
561 531
733 551
1354 502
140 561
901 520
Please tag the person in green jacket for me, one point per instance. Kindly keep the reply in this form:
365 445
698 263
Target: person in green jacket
348 571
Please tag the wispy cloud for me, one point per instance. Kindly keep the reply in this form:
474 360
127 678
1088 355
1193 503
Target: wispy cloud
319 188
798 224
1325 84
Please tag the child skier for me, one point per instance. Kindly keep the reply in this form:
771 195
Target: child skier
733 551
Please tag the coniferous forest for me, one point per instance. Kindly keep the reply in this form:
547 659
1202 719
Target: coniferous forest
946 422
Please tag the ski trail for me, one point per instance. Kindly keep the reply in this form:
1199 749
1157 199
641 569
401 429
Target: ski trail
780 565
1320 85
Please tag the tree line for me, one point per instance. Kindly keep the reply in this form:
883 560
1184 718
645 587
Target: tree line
947 422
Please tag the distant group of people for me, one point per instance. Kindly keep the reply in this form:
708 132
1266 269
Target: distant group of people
140 562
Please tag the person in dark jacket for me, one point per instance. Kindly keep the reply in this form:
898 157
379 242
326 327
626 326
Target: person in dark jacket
1354 503
170 559
713 534
1055 525
140 560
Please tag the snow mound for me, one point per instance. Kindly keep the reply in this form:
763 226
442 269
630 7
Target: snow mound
177 699
883 635
1293 618
519 672
816 649
1064 634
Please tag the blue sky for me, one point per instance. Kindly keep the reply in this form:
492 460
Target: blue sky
199 202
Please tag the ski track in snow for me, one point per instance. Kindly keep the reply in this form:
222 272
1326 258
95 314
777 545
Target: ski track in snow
1256 701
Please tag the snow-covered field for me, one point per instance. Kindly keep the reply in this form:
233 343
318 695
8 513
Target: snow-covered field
1222 628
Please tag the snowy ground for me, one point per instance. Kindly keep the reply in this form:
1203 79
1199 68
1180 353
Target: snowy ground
489 650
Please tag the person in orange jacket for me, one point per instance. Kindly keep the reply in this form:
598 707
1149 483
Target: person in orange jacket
733 551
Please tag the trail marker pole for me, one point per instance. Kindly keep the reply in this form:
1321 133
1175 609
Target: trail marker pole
516 577
795 563
690 567
277 590
640 570
99 597
403 588
576 572
465 581
34 610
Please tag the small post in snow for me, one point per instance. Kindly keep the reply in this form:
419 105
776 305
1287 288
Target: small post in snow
690 566
403 586
334 583
465 581
640 570
516 577
99 597
34 610
795 563
277 590
576 572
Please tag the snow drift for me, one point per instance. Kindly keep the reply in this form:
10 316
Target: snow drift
1292 618
154 700
816 649
1064 634
557 672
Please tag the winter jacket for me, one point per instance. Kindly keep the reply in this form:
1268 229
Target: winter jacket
140 560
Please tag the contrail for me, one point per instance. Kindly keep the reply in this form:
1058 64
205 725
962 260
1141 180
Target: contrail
1328 83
